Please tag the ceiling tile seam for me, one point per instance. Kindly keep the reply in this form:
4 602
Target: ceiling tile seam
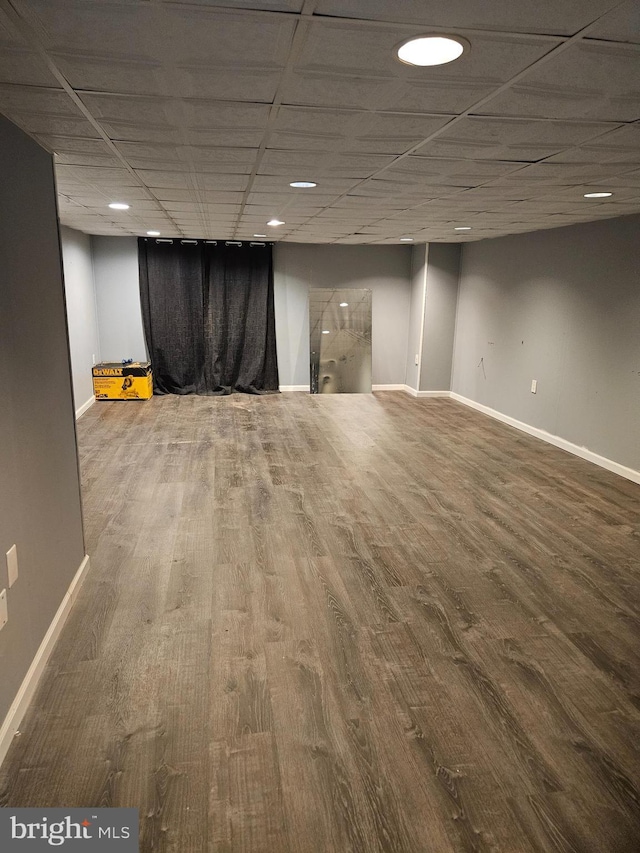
502 206
16 13
192 179
297 43
90 212
337 109
592 40
150 96
319 17
628 168
546 57
550 120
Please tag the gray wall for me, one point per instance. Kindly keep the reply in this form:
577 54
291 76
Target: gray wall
563 307
40 495
385 270
419 256
441 300
81 311
291 302
115 269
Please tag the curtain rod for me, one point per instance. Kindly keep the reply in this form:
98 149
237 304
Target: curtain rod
186 242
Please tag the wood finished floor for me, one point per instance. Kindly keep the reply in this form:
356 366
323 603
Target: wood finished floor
344 624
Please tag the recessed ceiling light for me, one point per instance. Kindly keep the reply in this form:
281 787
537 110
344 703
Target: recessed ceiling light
118 205
431 50
344 304
259 235
303 185
275 222
462 228
153 233
597 195
326 332
406 239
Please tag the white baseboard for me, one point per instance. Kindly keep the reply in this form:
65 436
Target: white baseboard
83 408
11 723
285 389
415 393
556 440
409 390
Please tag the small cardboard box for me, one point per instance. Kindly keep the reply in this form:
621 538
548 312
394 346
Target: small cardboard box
116 381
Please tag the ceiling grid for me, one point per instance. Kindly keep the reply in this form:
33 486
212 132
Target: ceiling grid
199 114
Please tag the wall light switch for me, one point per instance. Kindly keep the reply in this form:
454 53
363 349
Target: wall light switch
4 616
12 565
534 386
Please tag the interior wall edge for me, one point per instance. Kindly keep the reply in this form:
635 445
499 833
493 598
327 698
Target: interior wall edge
11 723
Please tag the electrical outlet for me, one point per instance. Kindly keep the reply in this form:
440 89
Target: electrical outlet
12 565
417 360
4 616
534 386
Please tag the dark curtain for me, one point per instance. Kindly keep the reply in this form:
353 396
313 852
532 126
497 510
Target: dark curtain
208 317
171 295
239 320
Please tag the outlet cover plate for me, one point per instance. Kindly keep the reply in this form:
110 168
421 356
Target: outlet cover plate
12 565
4 616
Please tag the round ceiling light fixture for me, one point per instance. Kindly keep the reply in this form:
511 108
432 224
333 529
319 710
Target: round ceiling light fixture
118 205
259 235
431 49
406 239
344 304
153 233
303 185
275 222
597 195
326 332
462 228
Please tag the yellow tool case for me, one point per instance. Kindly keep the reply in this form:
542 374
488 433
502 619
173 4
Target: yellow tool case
117 381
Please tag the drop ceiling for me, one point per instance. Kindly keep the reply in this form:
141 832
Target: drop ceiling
199 114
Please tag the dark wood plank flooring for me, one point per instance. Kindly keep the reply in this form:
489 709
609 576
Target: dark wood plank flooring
344 624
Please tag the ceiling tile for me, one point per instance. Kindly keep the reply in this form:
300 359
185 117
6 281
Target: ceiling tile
267 5
621 24
163 33
347 131
510 139
36 100
320 164
190 100
587 81
351 65
544 16
26 67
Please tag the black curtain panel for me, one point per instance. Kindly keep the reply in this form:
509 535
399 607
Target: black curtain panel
172 311
239 319
208 317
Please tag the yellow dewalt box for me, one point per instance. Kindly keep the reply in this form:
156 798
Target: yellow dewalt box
117 381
